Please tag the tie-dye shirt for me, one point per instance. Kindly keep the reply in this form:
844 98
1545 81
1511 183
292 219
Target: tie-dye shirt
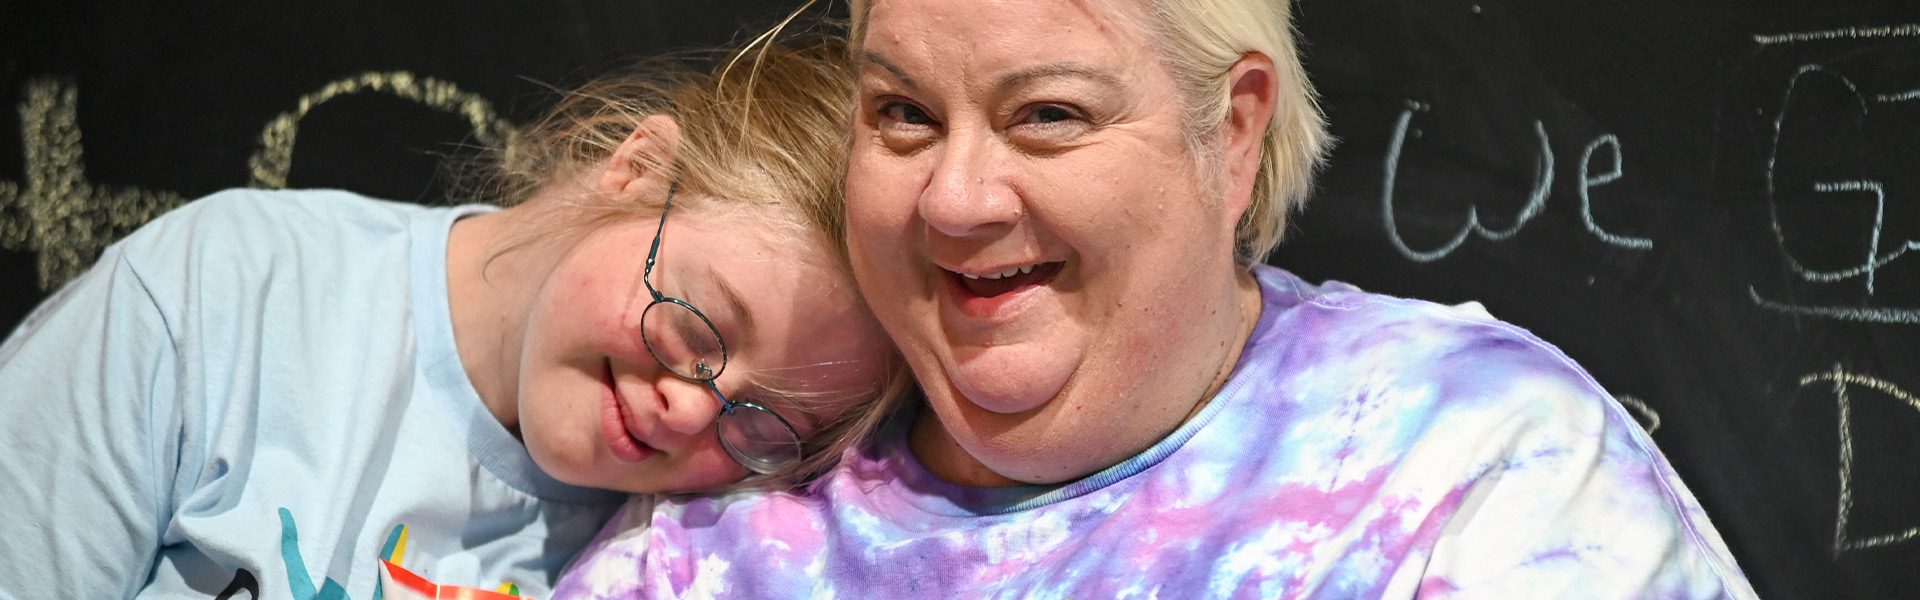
1364 447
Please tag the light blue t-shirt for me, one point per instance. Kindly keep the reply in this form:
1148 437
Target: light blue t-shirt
1364 447
257 395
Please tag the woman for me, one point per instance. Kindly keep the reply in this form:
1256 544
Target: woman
1057 211
268 393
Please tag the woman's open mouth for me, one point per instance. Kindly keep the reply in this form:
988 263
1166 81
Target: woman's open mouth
989 295
1008 281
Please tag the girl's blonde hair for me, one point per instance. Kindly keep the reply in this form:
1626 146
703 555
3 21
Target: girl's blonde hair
1198 41
764 126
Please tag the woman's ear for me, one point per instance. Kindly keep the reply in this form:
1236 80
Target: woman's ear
1251 102
644 159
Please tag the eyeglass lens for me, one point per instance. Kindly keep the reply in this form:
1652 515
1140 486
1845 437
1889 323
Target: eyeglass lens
683 341
758 439
688 345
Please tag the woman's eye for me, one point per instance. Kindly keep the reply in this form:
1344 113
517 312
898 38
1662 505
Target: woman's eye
1042 126
1049 114
902 112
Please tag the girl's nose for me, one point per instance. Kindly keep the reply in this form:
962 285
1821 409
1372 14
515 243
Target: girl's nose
686 407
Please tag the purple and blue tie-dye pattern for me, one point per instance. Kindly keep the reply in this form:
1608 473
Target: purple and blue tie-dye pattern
1365 446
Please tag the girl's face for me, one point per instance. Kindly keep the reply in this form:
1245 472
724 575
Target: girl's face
595 407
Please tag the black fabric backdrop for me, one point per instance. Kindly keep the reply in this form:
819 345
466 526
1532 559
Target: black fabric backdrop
1708 204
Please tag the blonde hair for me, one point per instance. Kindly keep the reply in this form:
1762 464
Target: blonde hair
1198 41
766 128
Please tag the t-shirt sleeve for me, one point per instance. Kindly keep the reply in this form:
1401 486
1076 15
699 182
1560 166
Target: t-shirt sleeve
87 394
1571 500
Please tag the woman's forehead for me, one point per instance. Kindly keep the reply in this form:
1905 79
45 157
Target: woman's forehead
1004 36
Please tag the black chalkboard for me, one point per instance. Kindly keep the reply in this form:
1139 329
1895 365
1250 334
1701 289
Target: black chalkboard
1710 205
1683 197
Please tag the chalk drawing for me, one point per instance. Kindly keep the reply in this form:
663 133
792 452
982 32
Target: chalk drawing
67 220
274 159
1587 183
1543 183
1848 33
1843 540
1649 419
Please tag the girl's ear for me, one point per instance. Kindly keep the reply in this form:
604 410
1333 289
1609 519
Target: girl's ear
644 160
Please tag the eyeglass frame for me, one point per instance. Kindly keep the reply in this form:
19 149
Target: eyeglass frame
727 405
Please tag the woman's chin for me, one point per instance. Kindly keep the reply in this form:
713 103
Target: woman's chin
1002 388
1007 395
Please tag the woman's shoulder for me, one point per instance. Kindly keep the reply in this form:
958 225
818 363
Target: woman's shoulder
1366 362
1458 351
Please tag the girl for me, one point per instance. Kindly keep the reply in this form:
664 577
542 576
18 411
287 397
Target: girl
267 392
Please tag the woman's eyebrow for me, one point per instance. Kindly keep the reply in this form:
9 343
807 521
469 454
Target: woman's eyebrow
869 58
1063 70
734 303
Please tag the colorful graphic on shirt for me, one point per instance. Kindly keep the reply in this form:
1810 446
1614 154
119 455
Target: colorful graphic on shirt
298 581
408 586
243 581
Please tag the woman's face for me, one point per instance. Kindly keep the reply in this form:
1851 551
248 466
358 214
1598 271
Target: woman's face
1028 224
595 407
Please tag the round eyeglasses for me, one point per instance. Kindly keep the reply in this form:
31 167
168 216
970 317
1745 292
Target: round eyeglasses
685 341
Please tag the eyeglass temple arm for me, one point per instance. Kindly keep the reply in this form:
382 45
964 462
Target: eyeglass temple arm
646 276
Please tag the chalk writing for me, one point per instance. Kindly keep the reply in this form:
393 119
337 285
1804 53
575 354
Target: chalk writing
1648 418
1536 201
1849 33
67 220
275 157
1878 252
60 215
1587 183
1897 96
1543 183
1843 540
1896 316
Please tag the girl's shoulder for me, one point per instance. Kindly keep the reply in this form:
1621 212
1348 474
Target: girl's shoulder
256 218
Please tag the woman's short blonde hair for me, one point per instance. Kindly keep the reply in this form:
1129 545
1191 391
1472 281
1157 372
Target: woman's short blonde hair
1199 40
761 126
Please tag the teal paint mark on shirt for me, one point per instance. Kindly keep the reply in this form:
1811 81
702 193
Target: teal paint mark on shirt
299 582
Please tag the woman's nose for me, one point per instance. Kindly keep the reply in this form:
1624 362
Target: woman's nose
964 195
687 407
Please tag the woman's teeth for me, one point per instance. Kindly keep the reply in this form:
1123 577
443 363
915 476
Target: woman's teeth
1003 274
